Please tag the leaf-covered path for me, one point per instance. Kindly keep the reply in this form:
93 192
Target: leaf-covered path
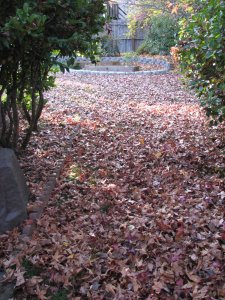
138 212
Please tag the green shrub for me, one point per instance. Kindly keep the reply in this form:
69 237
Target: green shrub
161 35
30 31
202 55
109 46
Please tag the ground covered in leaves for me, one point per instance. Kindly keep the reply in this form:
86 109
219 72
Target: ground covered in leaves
138 212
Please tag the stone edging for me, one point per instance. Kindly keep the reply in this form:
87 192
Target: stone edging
37 209
7 289
152 72
35 212
142 60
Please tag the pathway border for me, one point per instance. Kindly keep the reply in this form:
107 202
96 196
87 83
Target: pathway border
143 60
36 211
27 228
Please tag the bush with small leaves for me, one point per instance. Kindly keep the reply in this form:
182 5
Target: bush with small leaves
162 32
202 56
30 31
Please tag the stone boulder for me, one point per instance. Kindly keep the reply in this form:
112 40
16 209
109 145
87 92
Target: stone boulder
14 193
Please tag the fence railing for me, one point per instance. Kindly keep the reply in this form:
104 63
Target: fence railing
121 13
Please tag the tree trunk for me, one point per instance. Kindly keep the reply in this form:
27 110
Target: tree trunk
1 124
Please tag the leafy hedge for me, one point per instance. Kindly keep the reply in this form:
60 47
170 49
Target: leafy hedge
109 46
202 55
161 35
29 33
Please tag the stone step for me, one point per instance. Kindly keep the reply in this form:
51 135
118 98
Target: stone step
112 68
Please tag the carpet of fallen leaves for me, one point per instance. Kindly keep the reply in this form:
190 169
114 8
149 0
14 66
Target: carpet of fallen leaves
138 212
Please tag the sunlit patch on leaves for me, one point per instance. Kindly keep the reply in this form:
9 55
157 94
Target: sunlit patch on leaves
74 173
92 181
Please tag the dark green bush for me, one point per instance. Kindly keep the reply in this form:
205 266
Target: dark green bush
161 35
109 46
202 55
30 31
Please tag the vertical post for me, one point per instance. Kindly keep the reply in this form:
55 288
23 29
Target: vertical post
133 44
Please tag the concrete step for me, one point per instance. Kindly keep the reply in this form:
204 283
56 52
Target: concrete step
112 68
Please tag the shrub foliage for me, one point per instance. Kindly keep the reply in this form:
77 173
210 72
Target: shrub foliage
29 33
202 55
161 35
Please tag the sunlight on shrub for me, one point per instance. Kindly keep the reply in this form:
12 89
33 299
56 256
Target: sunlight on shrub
161 35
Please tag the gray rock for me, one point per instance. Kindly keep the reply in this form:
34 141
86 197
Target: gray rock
13 191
